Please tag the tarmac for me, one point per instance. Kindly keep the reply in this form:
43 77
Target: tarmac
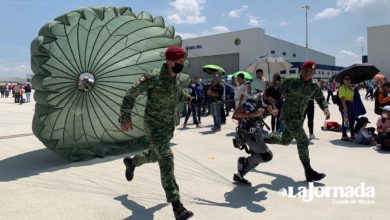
35 183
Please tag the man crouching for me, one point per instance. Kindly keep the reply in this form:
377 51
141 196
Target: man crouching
250 134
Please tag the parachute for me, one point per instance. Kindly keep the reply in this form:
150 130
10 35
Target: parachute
83 63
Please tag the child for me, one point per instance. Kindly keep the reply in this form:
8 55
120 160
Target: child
364 135
383 128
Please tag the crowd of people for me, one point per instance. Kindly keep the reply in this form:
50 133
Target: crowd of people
222 96
20 92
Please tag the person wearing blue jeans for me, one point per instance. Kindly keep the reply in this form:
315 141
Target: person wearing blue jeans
346 108
215 93
196 90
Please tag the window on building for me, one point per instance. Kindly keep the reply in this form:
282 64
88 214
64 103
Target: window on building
272 52
328 73
283 72
284 53
294 55
292 71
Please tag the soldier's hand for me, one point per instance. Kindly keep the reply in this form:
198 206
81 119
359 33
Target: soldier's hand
327 115
126 125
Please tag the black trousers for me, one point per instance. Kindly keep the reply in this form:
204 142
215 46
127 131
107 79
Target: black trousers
310 116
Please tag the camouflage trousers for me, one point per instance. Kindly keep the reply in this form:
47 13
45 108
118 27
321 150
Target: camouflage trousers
293 129
159 135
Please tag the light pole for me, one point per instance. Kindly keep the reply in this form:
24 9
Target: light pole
306 7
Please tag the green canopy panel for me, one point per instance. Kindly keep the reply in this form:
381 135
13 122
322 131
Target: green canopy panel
83 64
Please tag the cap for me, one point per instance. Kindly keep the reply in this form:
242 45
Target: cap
308 65
364 119
386 108
175 53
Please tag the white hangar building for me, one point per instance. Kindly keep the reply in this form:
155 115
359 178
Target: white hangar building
236 50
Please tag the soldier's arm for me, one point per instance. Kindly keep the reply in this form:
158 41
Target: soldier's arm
320 99
144 83
184 95
284 86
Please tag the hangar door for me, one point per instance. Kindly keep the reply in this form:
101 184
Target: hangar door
230 62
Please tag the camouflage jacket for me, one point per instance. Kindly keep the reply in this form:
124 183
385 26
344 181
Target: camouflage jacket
297 93
163 96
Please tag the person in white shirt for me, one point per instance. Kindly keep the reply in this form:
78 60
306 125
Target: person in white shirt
258 83
241 90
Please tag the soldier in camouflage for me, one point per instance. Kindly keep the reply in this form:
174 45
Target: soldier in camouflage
297 92
164 93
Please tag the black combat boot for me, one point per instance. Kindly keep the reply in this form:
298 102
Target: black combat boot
312 175
242 166
129 163
180 212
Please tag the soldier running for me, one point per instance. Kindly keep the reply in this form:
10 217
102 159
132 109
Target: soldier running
297 92
164 93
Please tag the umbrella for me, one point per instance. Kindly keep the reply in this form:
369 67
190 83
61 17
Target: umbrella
358 72
247 75
269 64
213 69
83 64
379 76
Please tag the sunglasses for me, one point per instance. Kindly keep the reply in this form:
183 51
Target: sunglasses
347 78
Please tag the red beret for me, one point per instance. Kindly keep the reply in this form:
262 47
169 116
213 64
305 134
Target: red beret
175 53
309 65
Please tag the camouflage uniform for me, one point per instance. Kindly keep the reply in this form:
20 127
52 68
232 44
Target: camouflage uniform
163 93
297 93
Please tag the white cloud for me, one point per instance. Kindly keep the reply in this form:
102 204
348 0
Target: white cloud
361 40
371 8
348 54
187 12
346 58
352 5
327 13
216 30
14 70
187 35
255 21
22 68
174 19
283 23
236 13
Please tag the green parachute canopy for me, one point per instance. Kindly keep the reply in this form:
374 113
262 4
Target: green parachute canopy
83 63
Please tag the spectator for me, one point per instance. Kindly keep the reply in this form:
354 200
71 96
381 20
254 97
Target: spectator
28 92
364 135
330 91
215 92
194 106
382 98
241 90
17 92
275 120
383 128
346 108
258 83
2 90
370 90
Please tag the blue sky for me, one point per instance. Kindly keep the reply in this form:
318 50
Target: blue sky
336 27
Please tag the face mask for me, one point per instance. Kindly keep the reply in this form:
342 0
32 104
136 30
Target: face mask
384 115
277 78
177 68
